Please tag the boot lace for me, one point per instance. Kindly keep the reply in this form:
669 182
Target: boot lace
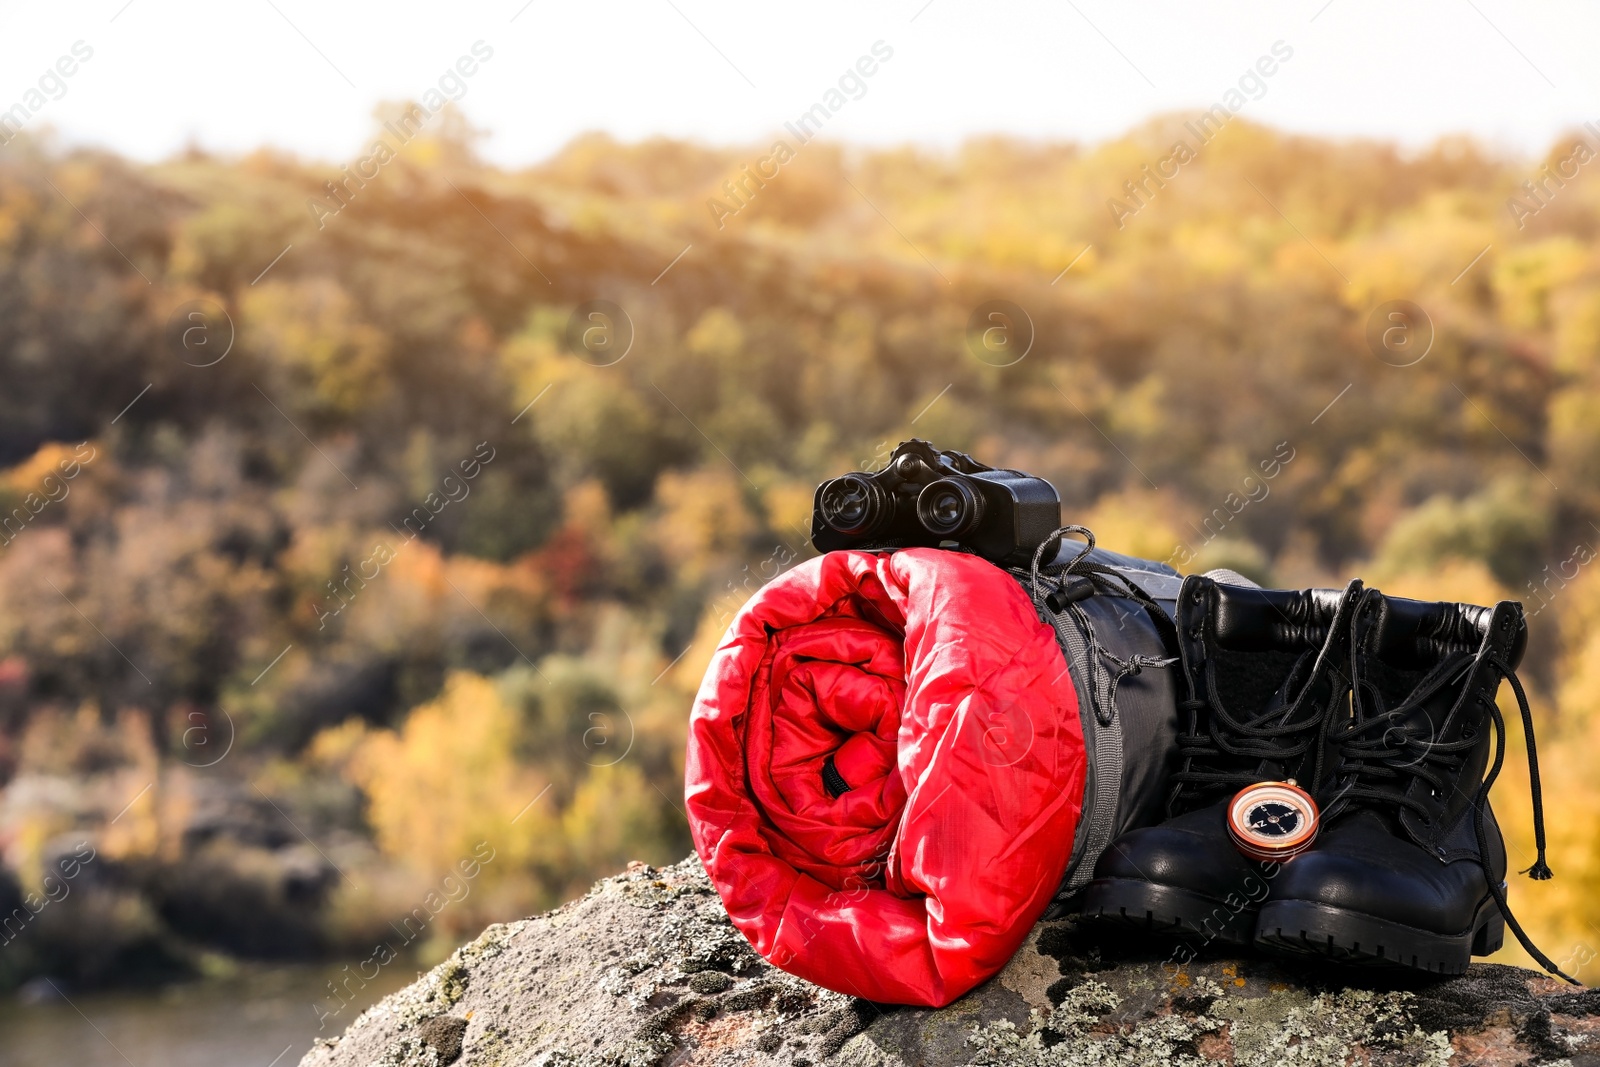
1275 734
1380 753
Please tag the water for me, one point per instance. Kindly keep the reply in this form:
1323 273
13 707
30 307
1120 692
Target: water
264 1019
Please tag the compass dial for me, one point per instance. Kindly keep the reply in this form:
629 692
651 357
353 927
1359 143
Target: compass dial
1272 821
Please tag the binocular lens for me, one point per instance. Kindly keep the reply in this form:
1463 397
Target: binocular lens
854 505
949 508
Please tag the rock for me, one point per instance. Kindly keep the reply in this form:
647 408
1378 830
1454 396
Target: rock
442 1034
646 971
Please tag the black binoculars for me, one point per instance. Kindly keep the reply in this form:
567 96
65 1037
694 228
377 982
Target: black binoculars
931 497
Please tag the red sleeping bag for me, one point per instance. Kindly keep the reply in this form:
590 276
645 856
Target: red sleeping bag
885 771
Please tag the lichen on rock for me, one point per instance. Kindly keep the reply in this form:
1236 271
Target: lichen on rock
1284 1027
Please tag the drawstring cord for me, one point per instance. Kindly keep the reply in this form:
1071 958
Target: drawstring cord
1101 578
1048 542
1133 665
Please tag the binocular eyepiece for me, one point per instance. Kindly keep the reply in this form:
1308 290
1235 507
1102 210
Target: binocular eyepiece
949 508
855 505
928 497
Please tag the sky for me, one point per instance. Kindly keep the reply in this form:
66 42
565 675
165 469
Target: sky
305 76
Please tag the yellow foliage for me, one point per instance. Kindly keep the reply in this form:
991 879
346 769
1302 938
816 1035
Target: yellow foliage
704 518
313 327
1467 581
50 460
1137 522
1577 607
448 785
128 800
788 506
336 746
1525 278
1577 331
717 336
1574 439
614 817
447 780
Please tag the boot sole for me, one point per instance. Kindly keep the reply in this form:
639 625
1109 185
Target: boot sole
1167 911
1305 928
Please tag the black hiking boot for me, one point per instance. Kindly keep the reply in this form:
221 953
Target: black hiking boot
1409 868
1265 675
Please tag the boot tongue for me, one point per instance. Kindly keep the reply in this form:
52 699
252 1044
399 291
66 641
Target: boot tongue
1417 702
1293 702
1288 704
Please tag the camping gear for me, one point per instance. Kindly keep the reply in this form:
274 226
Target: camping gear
1410 865
1265 673
957 720
898 760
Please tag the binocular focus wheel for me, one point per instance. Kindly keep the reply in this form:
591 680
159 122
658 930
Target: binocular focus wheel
1273 822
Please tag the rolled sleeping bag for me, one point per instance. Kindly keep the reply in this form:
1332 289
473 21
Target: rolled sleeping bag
885 772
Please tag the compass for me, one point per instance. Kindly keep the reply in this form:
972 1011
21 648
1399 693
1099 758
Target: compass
1273 821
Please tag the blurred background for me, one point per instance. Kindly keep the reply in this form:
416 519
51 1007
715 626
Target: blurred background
396 405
